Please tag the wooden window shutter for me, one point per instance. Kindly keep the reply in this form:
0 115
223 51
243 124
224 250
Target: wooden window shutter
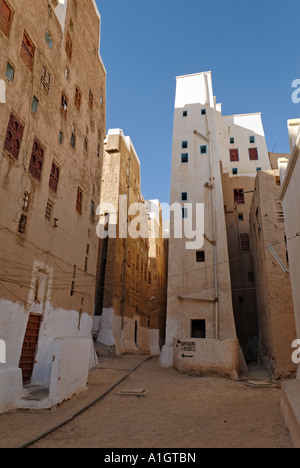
234 155
69 46
253 154
27 51
78 95
14 136
54 177
239 196
5 17
245 242
37 159
79 200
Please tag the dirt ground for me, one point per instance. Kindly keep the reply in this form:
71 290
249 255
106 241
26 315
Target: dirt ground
179 411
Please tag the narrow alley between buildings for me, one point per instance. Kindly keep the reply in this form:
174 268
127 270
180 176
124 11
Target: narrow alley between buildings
156 407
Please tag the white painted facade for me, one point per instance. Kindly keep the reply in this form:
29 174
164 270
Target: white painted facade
202 140
290 176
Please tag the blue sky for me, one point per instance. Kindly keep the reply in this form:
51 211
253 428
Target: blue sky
252 48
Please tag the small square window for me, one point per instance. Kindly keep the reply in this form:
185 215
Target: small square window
10 72
258 169
184 145
251 277
35 104
252 139
184 113
198 329
232 141
241 217
203 149
203 111
184 196
200 256
184 158
235 171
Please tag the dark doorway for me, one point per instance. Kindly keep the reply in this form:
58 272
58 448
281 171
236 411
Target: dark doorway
29 349
198 329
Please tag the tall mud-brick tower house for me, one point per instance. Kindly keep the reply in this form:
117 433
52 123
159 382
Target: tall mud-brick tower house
213 156
52 128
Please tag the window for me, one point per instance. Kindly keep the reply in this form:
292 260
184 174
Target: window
45 80
26 202
184 213
34 105
184 196
185 158
79 200
86 145
54 177
49 40
251 277
241 217
203 149
27 51
252 139
239 196
93 210
22 225
235 171
10 72
61 137
253 154
245 242
73 137
198 329
203 111
232 140
184 114
5 17
14 136
200 256
234 155
64 105
49 210
37 159
91 99
78 96
258 169
69 46
184 145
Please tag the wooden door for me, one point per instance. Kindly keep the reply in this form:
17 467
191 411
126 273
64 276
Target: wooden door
30 346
